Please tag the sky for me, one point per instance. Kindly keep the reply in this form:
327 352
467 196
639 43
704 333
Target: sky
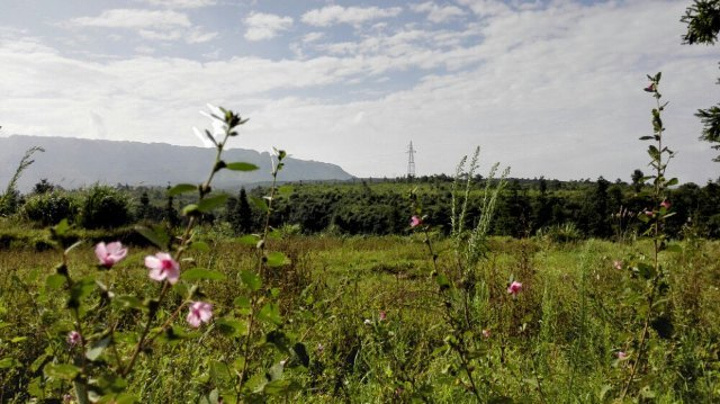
550 88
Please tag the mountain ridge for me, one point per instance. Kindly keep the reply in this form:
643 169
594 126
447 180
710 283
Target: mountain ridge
74 163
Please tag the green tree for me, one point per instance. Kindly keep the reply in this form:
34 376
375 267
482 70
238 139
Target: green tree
703 24
241 218
637 180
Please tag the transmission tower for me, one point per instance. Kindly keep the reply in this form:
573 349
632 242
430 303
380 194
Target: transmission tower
411 161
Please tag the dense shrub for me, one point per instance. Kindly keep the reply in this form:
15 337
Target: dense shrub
104 207
50 208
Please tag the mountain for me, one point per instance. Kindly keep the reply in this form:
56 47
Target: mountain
73 163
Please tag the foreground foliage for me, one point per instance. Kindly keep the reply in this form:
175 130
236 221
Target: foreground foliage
368 311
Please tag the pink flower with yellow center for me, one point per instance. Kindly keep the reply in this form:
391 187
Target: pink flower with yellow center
163 267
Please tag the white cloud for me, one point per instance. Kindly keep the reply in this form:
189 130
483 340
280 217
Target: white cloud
438 14
332 15
486 8
156 25
180 3
134 18
265 26
312 37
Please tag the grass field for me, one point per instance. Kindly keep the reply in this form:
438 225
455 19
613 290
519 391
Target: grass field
375 325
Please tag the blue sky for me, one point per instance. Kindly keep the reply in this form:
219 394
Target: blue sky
549 88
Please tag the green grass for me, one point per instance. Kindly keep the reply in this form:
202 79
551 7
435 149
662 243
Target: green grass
555 343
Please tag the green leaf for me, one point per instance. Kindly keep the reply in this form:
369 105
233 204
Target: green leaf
259 203
249 239
190 210
251 280
80 290
61 228
231 327
200 246
242 302
129 302
239 166
112 383
181 189
97 348
123 398
53 282
279 387
158 236
276 259
7 363
199 273
671 182
208 204
219 371
270 313
646 137
61 371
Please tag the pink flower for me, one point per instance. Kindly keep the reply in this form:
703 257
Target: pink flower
665 204
73 338
486 333
650 88
415 221
110 254
649 213
617 264
383 315
514 288
622 355
162 266
200 312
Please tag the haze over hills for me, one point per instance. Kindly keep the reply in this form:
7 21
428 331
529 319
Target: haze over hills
73 163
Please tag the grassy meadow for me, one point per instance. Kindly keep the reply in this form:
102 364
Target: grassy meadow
377 328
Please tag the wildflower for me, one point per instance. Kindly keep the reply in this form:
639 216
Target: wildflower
110 254
650 88
514 288
73 338
486 333
367 321
320 348
162 266
415 221
67 398
383 315
200 312
622 355
617 264
648 213
665 204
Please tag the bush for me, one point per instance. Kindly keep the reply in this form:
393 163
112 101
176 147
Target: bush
50 208
104 207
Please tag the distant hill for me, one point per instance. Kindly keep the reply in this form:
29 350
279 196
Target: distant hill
73 163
